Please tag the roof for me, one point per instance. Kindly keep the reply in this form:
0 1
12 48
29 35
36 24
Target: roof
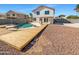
2 15
42 7
19 15
16 12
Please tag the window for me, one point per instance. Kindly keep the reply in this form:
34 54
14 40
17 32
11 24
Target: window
38 13
8 15
13 14
46 12
45 19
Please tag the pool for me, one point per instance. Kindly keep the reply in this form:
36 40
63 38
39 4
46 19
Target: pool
24 25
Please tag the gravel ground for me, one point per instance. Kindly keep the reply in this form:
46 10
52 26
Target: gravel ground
54 40
57 40
4 31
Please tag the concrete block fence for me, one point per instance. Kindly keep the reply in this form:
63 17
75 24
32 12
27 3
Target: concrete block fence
12 21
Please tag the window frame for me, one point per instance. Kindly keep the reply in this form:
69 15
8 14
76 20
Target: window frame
13 14
47 12
38 12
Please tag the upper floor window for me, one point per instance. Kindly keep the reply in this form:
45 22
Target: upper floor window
13 14
38 13
46 12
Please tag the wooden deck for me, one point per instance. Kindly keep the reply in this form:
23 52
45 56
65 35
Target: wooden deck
19 39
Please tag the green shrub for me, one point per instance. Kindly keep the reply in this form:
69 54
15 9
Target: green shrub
72 17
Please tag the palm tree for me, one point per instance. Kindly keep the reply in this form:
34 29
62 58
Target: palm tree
77 8
31 16
62 15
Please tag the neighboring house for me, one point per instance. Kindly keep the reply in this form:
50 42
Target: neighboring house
44 14
14 15
2 16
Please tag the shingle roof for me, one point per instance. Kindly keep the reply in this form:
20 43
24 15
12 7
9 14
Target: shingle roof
41 7
16 12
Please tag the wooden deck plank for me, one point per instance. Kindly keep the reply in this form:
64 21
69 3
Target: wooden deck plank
21 38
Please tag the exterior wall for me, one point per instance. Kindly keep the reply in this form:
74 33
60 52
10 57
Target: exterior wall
17 16
37 19
10 14
49 21
2 17
42 13
41 20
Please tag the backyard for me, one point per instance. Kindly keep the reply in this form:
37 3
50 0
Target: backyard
55 39
43 31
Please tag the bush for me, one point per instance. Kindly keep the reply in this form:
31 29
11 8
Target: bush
72 17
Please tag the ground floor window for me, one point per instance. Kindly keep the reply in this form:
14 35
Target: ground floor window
45 19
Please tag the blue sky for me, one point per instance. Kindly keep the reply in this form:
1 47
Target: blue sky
67 9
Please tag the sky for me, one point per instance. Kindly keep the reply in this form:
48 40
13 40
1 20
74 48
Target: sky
66 9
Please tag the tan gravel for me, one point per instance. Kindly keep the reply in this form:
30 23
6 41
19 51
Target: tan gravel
57 40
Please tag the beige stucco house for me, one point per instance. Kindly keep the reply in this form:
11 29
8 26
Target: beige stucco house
44 14
12 17
15 15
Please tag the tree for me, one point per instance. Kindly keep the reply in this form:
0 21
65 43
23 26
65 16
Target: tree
77 8
62 15
72 17
31 16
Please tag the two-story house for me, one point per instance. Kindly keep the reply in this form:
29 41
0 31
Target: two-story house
44 14
15 15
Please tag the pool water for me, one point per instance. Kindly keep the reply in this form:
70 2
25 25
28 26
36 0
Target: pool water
24 25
